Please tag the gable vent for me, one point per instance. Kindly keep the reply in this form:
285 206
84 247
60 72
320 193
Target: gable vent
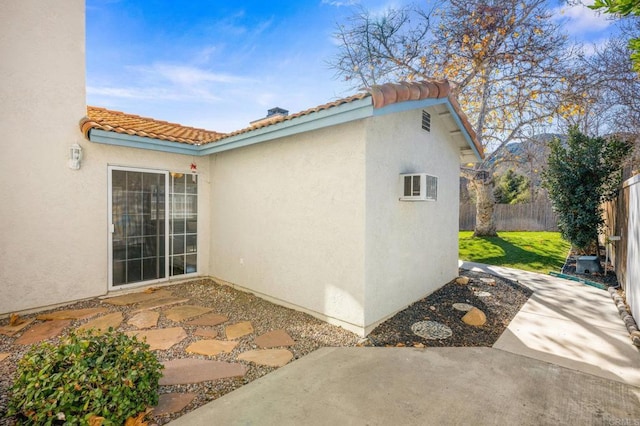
426 121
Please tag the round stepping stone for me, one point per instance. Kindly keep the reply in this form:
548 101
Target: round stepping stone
146 319
208 320
431 330
464 307
482 293
188 370
211 347
268 357
43 331
103 323
238 330
172 403
274 339
185 312
160 339
488 281
76 314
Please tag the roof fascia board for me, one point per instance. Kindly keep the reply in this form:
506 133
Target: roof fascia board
133 141
344 113
426 103
340 114
465 134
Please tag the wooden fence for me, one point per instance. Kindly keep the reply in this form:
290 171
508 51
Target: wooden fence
538 216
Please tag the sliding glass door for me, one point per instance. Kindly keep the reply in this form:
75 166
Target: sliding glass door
150 211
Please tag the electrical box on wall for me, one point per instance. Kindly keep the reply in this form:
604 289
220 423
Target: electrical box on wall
418 187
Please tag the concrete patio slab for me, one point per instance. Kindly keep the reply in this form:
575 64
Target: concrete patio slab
570 324
382 386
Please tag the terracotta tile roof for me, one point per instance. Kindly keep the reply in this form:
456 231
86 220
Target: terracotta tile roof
120 122
381 95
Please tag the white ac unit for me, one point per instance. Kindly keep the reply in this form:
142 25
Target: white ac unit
418 187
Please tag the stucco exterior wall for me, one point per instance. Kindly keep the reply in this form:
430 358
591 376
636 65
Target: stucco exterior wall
288 221
411 246
53 220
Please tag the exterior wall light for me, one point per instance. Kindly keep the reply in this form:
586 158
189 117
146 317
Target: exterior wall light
75 156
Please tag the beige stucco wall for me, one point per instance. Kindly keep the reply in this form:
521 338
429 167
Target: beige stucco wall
53 220
288 221
411 246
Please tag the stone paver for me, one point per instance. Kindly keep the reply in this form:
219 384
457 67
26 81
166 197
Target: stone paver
211 347
160 339
103 323
12 330
482 294
190 370
159 303
133 298
237 330
185 312
274 339
42 331
268 357
464 307
4 356
72 314
211 319
145 319
475 317
172 403
205 332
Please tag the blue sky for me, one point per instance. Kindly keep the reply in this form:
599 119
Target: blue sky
219 65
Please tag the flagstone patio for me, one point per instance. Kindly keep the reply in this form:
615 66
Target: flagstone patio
199 331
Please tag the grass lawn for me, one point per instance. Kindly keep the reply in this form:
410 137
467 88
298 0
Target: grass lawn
532 251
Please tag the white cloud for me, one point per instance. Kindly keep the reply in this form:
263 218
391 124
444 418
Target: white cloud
579 20
340 3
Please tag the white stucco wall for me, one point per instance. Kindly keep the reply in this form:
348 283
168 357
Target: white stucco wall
53 220
411 246
632 276
288 221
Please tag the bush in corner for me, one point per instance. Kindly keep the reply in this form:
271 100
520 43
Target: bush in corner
86 377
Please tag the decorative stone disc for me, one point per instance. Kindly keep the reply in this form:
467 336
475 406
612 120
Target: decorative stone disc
482 293
431 330
464 307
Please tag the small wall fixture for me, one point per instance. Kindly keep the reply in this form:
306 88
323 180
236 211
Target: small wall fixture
75 156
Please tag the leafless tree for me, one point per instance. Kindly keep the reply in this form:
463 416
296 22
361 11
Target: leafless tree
505 60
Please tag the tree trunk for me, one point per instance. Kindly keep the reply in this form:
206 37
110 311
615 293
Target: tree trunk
485 224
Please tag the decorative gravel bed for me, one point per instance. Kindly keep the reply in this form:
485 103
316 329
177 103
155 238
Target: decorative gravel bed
500 300
308 333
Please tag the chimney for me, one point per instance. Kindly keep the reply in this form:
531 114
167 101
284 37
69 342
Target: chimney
272 115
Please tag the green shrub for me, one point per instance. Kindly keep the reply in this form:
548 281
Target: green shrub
87 375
